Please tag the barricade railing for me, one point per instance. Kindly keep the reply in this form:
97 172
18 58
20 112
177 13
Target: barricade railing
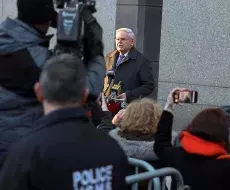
158 173
146 166
153 176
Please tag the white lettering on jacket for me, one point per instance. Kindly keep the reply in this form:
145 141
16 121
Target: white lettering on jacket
93 179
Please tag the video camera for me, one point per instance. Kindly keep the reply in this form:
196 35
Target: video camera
75 28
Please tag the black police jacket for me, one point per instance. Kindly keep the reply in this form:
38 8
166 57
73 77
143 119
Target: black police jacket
65 152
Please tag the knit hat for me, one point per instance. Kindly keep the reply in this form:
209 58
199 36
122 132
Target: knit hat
36 11
210 124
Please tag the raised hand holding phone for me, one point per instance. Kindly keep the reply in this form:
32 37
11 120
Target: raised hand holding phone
185 96
178 96
171 103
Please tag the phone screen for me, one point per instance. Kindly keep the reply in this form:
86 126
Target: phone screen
187 96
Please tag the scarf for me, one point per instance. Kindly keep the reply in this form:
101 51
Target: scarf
195 145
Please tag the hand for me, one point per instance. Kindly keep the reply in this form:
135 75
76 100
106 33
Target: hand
99 101
122 96
118 117
170 105
104 106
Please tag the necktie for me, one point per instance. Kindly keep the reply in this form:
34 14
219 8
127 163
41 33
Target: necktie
119 60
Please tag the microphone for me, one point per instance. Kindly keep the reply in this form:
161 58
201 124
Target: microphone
111 75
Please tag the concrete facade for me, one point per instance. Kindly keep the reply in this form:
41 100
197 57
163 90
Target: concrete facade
7 8
195 54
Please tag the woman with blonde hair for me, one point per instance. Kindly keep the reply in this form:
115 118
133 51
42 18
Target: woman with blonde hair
136 127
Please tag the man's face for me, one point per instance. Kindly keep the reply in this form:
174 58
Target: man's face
123 42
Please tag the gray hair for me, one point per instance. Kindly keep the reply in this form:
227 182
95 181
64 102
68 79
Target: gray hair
127 30
63 79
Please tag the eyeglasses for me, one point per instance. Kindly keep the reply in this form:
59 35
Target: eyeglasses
122 39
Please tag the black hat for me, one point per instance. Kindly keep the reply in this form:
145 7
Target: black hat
36 11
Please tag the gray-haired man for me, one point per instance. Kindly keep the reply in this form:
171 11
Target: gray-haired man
130 67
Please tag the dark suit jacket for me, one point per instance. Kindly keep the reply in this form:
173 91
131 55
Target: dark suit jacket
135 72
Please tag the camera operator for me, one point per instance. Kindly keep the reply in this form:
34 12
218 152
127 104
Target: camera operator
23 50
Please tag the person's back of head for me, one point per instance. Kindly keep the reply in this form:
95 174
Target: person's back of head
141 117
38 13
211 125
136 127
63 83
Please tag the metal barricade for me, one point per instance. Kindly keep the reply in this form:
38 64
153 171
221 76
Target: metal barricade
142 164
158 173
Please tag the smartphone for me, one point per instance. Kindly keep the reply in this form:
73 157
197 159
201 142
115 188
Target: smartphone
186 96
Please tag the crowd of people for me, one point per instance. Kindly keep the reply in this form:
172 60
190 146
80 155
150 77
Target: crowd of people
58 132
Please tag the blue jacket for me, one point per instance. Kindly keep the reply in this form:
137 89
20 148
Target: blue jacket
16 35
18 113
